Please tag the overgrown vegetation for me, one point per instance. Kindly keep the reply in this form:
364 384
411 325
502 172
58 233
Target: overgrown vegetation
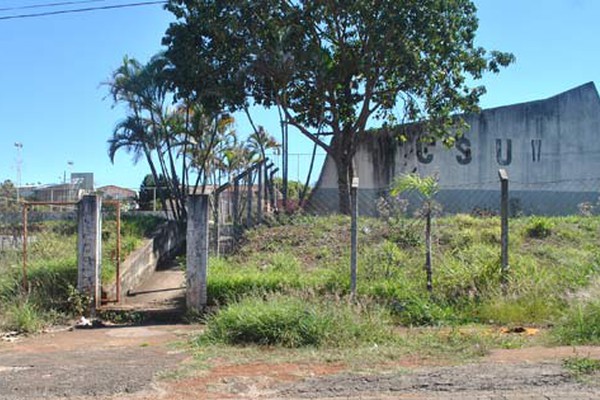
300 267
52 271
580 324
292 321
581 366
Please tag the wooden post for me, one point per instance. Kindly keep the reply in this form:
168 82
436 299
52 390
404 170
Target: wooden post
503 175
217 217
249 199
272 191
197 252
89 248
236 209
259 199
266 200
353 236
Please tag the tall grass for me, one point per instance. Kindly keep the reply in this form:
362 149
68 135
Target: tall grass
52 273
296 322
550 259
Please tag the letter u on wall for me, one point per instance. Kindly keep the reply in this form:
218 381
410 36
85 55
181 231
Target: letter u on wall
507 159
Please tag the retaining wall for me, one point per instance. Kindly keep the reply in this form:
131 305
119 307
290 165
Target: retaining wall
167 241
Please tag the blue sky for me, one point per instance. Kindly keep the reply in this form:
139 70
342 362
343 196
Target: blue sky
51 70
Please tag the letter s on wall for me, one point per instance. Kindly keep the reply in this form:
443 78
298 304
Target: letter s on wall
463 145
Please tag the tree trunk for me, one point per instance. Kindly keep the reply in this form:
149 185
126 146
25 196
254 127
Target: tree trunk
310 169
343 165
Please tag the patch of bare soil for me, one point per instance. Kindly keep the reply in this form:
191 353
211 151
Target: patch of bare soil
128 362
88 363
534 373
484 380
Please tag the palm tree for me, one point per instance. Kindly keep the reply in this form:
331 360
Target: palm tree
426 188
259 142
144 130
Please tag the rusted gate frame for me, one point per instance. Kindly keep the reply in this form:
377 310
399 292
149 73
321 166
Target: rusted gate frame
117 203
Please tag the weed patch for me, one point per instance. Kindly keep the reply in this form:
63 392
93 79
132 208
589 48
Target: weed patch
294 322
539 227
52 273
579 366
580 324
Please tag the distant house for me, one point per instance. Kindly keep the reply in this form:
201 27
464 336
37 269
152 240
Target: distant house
64 192
79 185
117 193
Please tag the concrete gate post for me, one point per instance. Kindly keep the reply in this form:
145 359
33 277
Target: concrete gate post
197 251
89 248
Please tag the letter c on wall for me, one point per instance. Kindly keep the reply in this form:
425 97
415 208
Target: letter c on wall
423 154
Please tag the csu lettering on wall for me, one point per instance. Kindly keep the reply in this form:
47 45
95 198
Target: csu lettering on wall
503 148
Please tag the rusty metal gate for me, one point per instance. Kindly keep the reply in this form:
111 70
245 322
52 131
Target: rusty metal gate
49 232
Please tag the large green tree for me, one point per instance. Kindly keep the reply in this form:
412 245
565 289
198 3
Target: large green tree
332 68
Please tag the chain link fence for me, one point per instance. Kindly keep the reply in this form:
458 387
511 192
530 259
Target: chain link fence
237 211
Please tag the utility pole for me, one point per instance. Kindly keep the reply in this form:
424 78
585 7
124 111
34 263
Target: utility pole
19 147
70 191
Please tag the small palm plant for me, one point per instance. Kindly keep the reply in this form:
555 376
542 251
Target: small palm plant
426 188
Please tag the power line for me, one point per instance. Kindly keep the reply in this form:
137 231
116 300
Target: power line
48 5
82 10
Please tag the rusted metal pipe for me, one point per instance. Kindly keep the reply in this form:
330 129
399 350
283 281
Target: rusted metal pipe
118 283
25 285
51 203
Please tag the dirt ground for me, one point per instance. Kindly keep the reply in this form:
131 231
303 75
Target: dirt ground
153 363
141 363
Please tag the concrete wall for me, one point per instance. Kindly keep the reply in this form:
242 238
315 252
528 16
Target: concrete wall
139 264
550 148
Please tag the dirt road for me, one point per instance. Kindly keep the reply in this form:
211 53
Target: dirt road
89 363
133 363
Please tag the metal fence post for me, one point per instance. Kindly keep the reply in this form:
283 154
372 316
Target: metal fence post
503 175
197 251
25 239
353 235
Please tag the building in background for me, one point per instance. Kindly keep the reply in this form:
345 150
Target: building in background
80 184
127 197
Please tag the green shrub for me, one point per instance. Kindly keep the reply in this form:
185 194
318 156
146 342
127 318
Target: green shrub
405 234
526 309
580 324
579 366
383 261
423 311
228 283
23 316
295 322
539 227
